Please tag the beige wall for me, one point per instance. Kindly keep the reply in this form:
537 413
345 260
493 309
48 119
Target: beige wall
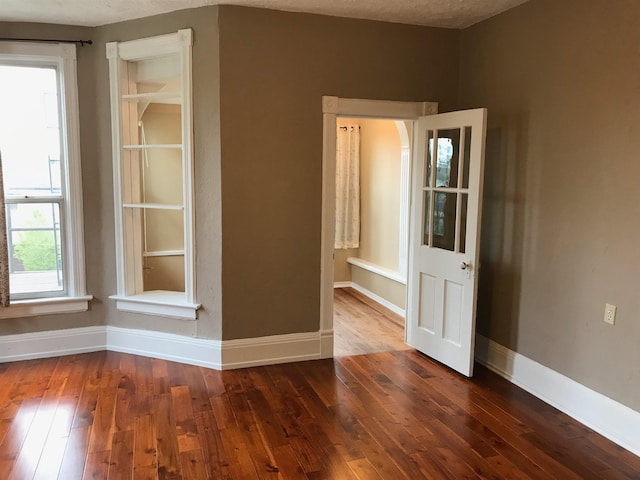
562 203
341 269
380 156
386 288
275 68
164 229
380 192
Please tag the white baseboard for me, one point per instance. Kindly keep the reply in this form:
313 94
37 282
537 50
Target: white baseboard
175 348
609 418
377 298
216 354
251 352
342 284
27 346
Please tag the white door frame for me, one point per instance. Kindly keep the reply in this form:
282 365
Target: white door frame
332 108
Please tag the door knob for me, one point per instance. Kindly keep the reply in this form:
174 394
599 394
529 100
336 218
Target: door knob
465 265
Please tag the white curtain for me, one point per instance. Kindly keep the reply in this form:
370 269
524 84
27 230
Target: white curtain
347 233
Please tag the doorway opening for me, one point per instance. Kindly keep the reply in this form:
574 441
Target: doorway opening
371 234
384 271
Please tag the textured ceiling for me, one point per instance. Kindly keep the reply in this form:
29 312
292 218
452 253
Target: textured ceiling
439 13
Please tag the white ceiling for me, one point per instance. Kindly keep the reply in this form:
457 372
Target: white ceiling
439 13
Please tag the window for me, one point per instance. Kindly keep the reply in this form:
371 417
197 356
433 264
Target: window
153 174
39 141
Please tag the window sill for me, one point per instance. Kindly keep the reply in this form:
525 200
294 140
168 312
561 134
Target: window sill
158 302
46 306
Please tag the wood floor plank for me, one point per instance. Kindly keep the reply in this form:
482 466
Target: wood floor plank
75 454
121 465
168 455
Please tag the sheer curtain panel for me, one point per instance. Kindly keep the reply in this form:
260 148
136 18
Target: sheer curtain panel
4 251
347 229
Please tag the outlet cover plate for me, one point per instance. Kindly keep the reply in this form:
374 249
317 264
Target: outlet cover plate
610 314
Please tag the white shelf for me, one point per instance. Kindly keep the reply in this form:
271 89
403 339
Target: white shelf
153 206
156 145
160 97
164 253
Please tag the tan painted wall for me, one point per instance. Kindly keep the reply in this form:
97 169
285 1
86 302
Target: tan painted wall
560 231
163 184
388 289
275 68
380 152
341 269
380 192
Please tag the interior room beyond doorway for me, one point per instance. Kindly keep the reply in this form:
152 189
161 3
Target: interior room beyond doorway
371 235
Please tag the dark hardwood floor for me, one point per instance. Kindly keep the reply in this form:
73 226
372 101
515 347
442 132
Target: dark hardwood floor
364 326
387 415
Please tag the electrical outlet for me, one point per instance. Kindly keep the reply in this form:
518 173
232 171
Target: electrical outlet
610 314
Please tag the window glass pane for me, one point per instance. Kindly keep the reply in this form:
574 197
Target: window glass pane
164 230
447 159
29 131
35 252
444 220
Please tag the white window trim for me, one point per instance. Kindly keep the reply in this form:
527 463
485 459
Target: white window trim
63 57
162 303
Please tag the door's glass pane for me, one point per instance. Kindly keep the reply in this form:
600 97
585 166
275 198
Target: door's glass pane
427 213
164 230
463 222
429 159
29 131
447 159
466 157
444 220
35 248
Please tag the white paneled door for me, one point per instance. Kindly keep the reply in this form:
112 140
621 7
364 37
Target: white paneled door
445 236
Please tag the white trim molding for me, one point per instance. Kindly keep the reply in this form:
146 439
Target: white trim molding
27 346
46 306
373 296
167 346
216 354
609 418
251 352
159 303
